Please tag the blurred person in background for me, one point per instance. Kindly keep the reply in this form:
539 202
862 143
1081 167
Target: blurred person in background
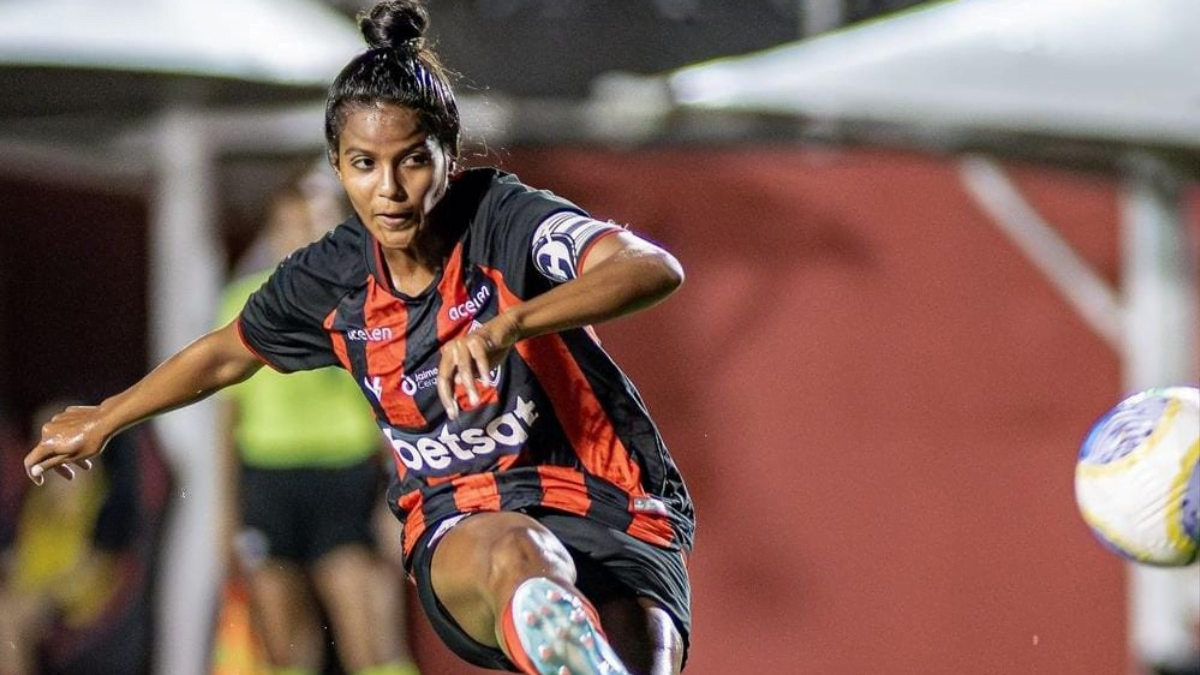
546 526
305 479
76 569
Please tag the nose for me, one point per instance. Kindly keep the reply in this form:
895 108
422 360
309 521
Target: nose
390 184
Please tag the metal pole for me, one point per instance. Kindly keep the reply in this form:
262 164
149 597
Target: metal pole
1160 347
185 270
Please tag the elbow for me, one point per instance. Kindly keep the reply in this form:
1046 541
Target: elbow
666 274
673 272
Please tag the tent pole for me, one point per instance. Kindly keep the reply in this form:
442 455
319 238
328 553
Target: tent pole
184 282
1159 285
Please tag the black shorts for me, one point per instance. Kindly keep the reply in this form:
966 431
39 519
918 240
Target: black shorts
610 564
302 514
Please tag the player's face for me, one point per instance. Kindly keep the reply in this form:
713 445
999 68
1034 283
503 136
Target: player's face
393 172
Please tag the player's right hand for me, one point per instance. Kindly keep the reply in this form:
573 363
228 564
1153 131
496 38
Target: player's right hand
71 437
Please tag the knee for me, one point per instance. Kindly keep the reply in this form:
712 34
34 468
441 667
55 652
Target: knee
523 552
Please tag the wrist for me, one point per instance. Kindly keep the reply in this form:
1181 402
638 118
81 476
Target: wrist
508 326
105 422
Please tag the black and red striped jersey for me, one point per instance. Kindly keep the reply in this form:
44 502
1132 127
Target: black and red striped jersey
559 425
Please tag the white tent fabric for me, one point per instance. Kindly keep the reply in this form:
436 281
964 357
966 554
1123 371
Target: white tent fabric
1112 70
296 42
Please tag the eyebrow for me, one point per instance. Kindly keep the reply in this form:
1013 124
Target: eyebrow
403 151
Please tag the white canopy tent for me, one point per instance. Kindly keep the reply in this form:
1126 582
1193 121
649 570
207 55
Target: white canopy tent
109 67
1099 70
268 42
1118 76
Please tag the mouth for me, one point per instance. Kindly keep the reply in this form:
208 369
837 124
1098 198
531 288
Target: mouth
396 220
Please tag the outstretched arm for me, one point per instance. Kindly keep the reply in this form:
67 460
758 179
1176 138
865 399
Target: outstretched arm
78 433
621 275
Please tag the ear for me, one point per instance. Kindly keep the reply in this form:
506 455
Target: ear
333 163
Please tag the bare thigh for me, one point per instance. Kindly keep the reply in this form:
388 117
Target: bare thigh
286 614
643 635
479 563
360 593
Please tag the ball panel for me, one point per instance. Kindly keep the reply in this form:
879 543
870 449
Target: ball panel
1181 510
1124 429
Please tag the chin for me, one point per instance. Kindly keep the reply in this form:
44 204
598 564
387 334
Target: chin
394 238
396 242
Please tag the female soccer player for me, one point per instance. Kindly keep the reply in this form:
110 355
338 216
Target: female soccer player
545 524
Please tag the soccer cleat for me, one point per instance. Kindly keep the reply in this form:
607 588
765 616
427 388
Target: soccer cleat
558 635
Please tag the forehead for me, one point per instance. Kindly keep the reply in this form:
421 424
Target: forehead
381 124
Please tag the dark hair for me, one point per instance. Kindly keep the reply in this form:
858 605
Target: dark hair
398 67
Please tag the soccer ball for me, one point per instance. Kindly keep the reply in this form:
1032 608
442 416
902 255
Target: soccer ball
1136 481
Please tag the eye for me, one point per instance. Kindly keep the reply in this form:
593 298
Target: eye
362 163
418 159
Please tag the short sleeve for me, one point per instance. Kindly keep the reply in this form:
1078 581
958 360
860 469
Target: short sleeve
283 322
508 218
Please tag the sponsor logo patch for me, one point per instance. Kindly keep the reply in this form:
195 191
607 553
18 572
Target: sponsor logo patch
471 307
368 334
437 451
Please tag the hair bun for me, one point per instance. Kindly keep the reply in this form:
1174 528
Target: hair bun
396 24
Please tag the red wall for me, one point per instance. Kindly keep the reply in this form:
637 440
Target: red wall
876 401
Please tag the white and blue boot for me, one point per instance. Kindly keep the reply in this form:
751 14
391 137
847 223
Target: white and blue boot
558 634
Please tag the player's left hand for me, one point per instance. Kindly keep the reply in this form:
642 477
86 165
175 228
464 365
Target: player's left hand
472 357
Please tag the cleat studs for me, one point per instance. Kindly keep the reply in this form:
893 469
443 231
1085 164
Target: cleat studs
564 671
545 652
529 618
588 641
545 610
554 595
578 616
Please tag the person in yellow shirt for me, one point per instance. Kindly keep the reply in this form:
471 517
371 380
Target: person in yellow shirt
305 463
74 590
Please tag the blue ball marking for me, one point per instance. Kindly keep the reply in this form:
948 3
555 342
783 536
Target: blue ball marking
1122 429
1191 500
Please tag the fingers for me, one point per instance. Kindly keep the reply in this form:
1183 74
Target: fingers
38 462
445 386
464 362
465 372
37 472
55 453
478 350
63 467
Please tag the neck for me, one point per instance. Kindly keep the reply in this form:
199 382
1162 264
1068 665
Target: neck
412 270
